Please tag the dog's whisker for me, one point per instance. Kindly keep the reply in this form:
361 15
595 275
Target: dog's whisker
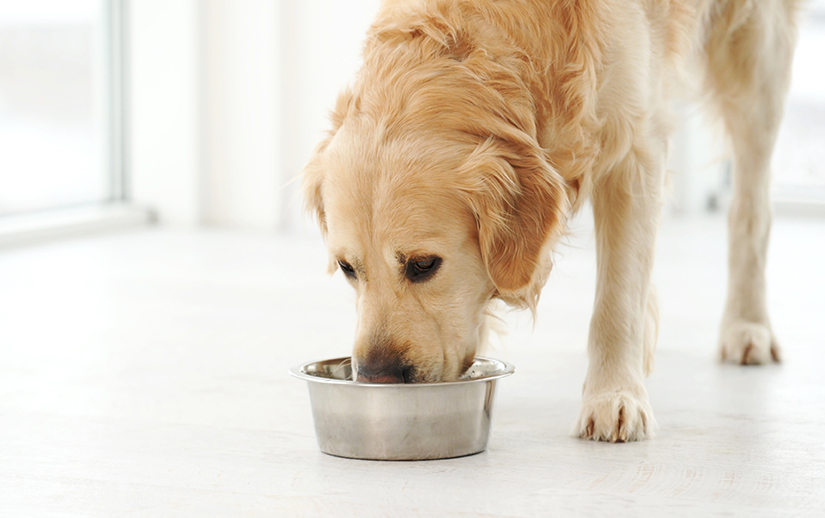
342 365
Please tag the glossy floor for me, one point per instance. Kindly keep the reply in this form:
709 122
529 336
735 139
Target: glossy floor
145 374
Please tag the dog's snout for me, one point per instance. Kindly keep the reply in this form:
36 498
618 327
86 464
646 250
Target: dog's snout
385 371
394 374
381 365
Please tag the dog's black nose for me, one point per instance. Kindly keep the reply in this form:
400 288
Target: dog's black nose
384 370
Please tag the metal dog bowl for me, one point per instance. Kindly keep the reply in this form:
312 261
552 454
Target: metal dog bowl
397 421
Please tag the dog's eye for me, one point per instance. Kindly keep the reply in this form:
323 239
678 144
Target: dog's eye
422 268
347 268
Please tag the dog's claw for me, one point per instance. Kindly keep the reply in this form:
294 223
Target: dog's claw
620 437
746 355
776 355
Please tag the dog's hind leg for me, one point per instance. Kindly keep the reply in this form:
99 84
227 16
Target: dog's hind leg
749 49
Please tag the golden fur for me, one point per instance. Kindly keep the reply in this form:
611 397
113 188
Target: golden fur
476 127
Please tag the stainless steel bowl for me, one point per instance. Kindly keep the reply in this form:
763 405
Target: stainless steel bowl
397 421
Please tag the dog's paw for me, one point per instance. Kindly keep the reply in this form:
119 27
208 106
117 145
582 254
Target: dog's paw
748 343
619 416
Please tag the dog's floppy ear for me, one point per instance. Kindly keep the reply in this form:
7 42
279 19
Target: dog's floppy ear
519 202
313 173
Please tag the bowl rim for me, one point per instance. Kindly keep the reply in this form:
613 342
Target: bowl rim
299 372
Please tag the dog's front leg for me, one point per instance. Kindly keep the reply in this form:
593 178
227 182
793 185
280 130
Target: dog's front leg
626 206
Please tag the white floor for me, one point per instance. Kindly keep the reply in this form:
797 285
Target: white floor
145 374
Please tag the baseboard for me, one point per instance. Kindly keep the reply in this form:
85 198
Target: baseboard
37 227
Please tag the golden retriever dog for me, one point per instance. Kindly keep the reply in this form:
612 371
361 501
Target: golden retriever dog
475 128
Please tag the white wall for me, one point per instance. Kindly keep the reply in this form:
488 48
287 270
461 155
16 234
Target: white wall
163 112
228 99
240 107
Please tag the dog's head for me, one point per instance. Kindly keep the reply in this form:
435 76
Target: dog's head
433 201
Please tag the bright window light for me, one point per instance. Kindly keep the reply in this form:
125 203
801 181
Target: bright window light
55 131
799 158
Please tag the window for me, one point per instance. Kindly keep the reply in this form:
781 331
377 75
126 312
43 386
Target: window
58 119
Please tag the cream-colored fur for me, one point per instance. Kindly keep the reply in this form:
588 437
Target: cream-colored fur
476 127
